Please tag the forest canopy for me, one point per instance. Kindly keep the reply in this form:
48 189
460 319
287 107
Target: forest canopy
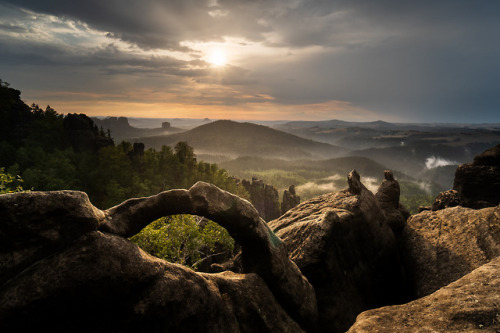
43 150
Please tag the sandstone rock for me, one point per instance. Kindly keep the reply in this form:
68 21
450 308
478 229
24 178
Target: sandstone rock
470 304
388 199
262 252
34 225
344 246
476 184
68 261
442 246
388 192
104 282
290 199
264 197
447 199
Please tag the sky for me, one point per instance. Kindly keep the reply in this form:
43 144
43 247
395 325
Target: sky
392 60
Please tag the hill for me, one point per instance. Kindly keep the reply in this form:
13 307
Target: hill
379 134
233 139
120 128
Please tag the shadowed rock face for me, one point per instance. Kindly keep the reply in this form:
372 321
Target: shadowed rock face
442 246
68 267
344 246
470 304
476 184
82 133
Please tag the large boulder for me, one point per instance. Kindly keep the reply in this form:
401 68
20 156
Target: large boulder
35 225
470 304
70 268
442 246
344 246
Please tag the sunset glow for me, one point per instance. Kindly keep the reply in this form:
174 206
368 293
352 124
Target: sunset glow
217 58
390 60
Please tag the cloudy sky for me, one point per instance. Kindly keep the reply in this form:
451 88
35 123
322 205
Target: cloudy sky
426 61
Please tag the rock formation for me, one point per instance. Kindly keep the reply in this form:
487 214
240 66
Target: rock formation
83 134
476 184
67 267
344 246
264 197
442 246
290 199
470 304
388 198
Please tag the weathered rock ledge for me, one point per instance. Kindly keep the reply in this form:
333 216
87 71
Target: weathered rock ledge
470 304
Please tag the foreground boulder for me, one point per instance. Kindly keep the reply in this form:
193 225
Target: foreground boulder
344 246
67 267
470 304
442 246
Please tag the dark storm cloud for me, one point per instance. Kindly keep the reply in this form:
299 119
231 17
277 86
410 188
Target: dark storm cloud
154 23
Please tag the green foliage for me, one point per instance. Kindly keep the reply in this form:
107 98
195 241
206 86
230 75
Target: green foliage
9 183
414 195
184 239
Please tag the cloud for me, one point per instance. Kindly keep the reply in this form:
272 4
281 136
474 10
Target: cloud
435 162
393 60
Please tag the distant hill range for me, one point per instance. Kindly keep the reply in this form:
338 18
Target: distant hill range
233 139
121 129
380 134
383 125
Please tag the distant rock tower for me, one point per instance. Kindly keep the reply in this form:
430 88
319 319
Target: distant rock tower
290 199
264 197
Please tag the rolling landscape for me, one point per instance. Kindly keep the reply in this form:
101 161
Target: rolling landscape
316 156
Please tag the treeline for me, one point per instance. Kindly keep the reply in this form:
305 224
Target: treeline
54 152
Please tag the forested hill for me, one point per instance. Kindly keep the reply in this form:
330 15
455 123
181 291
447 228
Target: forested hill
225 137
50 151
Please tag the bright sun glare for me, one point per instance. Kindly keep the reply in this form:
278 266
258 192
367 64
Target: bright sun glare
217 58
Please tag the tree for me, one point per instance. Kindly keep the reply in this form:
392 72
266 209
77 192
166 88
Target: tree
9 183
184 239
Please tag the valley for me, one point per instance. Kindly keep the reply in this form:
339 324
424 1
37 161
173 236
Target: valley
316 156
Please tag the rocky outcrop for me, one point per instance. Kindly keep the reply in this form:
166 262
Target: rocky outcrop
264 197
476 184
442 246
121 129
290 199
83 133
67 266
470 304
446 199
344 246
388 199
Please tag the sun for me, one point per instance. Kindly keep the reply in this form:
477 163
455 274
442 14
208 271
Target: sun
217 58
